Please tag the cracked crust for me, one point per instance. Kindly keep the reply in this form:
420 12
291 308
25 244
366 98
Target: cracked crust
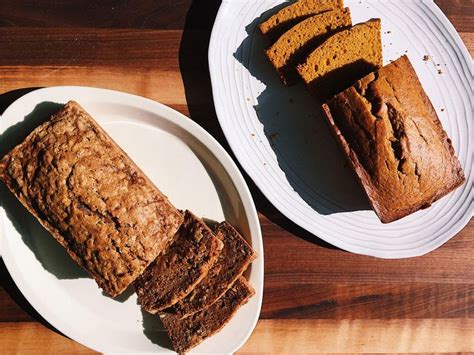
91 197
394 140
177 271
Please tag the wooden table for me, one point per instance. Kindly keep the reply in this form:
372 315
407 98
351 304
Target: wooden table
317 298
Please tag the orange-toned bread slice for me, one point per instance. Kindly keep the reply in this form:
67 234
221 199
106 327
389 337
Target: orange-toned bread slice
342 59
290 15
296 43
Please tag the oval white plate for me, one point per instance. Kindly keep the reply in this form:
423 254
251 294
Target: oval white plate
187 164
285 146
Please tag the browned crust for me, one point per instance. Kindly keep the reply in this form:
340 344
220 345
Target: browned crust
385 214
294 12
351 157
144 284
227 233
53 230
243 292
50 228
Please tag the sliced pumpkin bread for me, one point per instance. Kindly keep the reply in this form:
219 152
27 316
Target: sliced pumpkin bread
175 272
290 15
186 333
342 59
235 257
296 43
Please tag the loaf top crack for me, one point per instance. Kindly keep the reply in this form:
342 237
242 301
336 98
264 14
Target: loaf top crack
91 197
393 138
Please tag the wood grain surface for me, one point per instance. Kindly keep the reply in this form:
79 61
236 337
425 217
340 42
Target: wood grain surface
317 298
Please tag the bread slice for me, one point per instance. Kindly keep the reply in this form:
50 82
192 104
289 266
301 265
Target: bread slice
186 333
180 268
342 59
91 197
235 257
394 141
296 43
290 15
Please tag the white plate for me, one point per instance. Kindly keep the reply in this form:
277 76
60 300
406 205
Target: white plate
188 165
287 149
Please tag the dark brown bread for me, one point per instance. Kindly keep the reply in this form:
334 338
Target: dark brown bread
91 197
186 333
394 140
180 268
235 257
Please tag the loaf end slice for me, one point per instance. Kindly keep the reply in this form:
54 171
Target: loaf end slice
186 333
91 197
295 44
235 257
176 271
290 15
391 134
342 59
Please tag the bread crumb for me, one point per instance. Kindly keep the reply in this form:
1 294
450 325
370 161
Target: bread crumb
440 71
252 134
426 57
442 110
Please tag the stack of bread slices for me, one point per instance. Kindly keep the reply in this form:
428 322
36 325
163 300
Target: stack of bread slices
314 40
196 284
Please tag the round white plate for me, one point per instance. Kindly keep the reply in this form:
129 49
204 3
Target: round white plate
284 144
187 164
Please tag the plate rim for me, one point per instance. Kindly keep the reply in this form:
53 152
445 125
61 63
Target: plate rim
197 132
363 250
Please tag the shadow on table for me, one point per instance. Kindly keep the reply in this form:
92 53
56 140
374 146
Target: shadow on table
301 138
52 256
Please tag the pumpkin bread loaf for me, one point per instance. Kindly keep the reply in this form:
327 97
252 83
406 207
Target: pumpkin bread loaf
290 15
186 333
389 130
180 268
296 43
91 197
342 59
235 257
